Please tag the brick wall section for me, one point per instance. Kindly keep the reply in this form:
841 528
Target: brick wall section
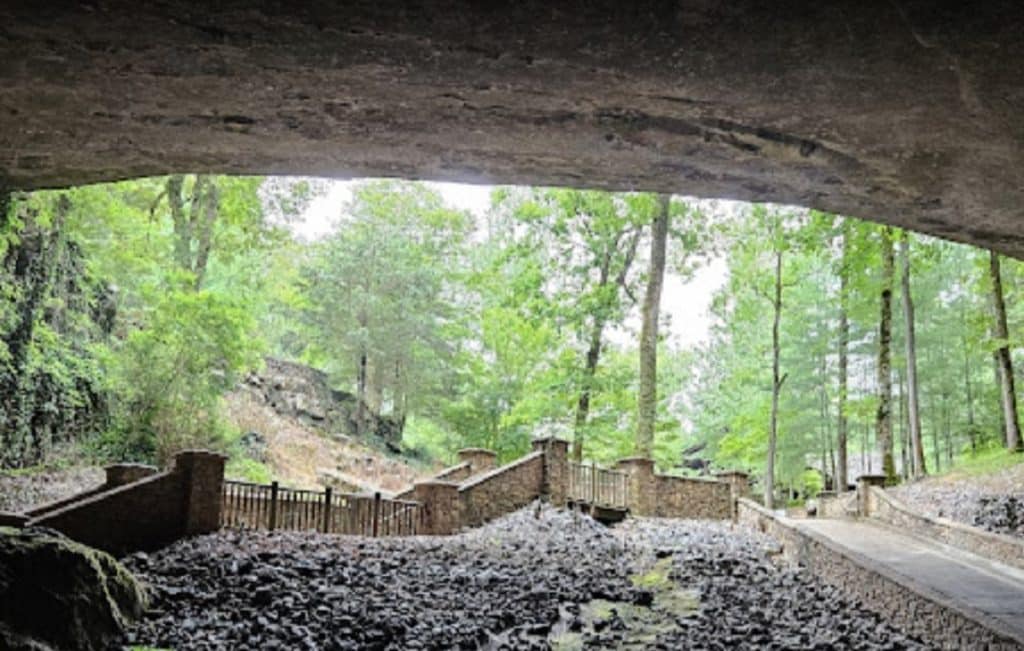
838 506
1002 548
691 497
457 473
441 512
502 490
664 496
909 606
117 474
480 460
642 488
556 469
147 513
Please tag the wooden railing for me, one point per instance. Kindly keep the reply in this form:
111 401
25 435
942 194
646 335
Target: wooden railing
274 508
597 486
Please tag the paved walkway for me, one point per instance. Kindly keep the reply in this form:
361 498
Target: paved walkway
992 588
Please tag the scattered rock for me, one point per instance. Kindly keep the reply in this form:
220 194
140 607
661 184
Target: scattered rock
527 581
59 594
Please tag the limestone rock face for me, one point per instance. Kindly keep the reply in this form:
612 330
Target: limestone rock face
58 594
909 112
305 393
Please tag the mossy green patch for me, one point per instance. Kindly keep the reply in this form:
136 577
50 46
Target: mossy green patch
642 625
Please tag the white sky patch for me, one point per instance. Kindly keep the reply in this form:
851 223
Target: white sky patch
686 303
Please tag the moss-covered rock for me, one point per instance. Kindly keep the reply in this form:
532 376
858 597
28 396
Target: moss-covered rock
59 594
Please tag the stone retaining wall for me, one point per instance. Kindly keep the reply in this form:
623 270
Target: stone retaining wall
837 506
666 496
692 497
501 490
999 547
145 513
911 606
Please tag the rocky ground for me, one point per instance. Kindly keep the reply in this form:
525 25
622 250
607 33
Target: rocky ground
21 490
994 502
537 579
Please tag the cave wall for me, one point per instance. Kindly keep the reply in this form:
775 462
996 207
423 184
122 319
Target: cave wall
909 112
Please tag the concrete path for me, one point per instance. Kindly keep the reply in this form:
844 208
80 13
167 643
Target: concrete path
983 585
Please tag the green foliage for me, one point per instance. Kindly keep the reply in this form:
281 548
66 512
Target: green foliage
245 469
170 374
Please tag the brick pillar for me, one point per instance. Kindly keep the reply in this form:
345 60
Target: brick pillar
480 460
864 484
119 474
439 500
202 477
739 486
556 469
642 488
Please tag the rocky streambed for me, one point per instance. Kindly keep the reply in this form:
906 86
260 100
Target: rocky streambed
538 579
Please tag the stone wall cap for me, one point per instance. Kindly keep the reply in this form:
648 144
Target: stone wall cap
872 477
144 466
477 451
200 453
646 460
553 439
732 473
436 482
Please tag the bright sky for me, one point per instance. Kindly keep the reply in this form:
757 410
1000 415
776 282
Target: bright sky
687 303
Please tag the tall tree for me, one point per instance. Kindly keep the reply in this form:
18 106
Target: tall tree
1005 361
842 466
647 398
883 418
913 405
777 379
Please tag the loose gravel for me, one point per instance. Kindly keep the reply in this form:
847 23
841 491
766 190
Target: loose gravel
993 502
540 578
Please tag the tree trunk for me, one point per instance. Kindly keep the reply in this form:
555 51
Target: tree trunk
1006 383
361 395
210 206
583 404
647 401
883 418
595 345
842 480
969 396
769 471
913 393
179 222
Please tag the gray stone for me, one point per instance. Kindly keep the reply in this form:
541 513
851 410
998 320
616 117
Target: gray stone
59 594
905 112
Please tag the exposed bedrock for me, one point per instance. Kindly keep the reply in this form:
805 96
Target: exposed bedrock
909 112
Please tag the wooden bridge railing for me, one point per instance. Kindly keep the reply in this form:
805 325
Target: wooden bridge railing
269 506
595 486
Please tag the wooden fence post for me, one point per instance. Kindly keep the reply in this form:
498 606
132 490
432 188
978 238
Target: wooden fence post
376 512
273 505
327 510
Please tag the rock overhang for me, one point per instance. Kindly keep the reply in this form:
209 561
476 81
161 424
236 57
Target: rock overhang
909 113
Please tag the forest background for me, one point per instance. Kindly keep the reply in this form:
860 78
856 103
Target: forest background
129 309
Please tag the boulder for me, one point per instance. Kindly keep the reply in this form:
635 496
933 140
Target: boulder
58 594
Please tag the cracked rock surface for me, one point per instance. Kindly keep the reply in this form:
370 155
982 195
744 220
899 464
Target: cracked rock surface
540 578
905 112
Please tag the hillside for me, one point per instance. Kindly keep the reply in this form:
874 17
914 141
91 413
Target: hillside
985 491
304 456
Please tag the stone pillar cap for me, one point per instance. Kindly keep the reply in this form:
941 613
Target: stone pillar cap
477 451
871 478
132 464
200 452
636 460
549 438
